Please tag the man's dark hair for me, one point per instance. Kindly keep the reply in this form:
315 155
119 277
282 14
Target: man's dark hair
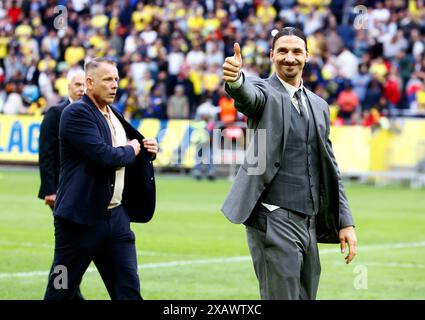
290 31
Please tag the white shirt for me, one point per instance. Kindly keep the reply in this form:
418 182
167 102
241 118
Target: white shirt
119 138
195 58
291 90
348 63
175 62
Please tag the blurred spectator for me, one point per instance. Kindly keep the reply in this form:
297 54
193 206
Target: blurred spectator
14 103
404 65
373 94
14 12
170 43
334 42
201 138
412 87
196 56
156 107
132 105
360 82
138 68
47 63
378 16
206 109
116 42
176 59
417 42
131 42
370 118
315 22
361 44
214 55
329 70
378 69
211 79
265 12
393 44
316 43
75 53
383 106
50 44
392 91
348 102
30 93
1 77
227 111
178 104
420 99
61 84
347 63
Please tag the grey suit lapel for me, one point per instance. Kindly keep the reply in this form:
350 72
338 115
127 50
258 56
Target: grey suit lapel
319 120
286 105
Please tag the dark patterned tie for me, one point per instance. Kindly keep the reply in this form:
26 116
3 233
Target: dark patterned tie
301 106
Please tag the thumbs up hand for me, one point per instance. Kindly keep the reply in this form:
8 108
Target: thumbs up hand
233 65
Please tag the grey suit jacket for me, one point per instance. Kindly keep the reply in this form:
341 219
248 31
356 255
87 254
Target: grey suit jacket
268 106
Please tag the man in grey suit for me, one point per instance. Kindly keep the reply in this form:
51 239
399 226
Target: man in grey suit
297 200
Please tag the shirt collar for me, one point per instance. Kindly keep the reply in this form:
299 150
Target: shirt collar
290 88
107 113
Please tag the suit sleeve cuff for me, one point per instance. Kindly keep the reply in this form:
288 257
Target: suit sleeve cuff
236 84
346 221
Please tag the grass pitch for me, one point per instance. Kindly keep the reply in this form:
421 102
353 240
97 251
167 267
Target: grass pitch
190 251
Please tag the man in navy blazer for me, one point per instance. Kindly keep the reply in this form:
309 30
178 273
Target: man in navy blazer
106 181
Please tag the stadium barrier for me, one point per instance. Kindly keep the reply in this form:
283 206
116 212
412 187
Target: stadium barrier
357 149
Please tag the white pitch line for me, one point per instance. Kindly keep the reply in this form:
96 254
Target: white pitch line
390 265
193 262
48 246
25 244
168 264
373 247
361 248
140 266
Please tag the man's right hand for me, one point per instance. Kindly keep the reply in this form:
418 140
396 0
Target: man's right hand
232 65
50 199
135 144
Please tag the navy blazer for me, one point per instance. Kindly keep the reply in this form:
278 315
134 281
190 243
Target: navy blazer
88 165
48 159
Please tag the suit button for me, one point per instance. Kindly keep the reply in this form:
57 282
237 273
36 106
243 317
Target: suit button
112 185
151 178
277 164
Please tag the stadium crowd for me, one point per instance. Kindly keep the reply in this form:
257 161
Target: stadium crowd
366 57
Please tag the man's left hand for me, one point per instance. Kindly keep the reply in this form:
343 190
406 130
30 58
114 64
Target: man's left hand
347 235
151 145
50 199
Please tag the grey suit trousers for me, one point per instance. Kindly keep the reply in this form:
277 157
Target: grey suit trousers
285 255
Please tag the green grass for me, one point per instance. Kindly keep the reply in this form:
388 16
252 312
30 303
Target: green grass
189 228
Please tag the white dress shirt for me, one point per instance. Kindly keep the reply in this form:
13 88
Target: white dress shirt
119 138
